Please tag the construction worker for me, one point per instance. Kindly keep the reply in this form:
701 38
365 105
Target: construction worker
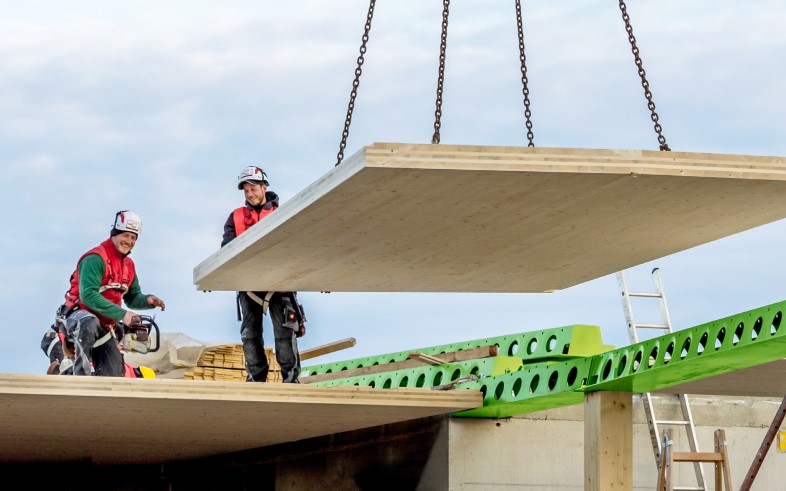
104 278
252 306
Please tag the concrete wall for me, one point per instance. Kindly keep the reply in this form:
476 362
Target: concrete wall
540 451
544 450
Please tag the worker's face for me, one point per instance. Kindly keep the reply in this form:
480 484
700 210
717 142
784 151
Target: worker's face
254 193
124 242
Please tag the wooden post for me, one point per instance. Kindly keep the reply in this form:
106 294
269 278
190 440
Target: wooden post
608 441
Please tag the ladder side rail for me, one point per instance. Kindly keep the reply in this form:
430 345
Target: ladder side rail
652 423
687 415
664 308
627 307
692 438
647 400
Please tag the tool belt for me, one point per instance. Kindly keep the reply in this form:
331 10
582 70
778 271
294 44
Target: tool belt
294 315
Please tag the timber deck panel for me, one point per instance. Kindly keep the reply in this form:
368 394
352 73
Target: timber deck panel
459 218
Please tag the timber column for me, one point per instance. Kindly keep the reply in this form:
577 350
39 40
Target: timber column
608 441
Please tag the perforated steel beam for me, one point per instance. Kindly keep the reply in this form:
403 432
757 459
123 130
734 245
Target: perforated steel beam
549 344
740 341
530 380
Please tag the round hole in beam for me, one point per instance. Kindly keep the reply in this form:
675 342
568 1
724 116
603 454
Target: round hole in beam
499 390
516 387
669 352
702 343
756 329
572 376
653 357
621 366
553 379
719 338
685 348
738 334
551 344
606 370
776 323
533 384
637 361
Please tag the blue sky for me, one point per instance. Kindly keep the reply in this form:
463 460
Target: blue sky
157 106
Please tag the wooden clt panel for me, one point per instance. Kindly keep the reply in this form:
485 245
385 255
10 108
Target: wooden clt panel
455 218
107 420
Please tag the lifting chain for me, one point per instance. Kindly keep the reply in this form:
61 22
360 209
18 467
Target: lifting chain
642 74
524 81
355 83
441 79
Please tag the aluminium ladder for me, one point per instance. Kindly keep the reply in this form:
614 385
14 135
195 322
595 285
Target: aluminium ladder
652 421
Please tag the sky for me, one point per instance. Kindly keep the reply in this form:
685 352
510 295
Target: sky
157 106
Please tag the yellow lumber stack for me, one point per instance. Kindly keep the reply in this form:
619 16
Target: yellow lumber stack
228 364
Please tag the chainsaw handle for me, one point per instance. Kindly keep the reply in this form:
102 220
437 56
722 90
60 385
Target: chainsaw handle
149 321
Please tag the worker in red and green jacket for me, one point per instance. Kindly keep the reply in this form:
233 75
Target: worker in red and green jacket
104 278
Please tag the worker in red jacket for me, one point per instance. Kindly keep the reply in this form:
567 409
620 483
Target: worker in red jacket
104 278
282 306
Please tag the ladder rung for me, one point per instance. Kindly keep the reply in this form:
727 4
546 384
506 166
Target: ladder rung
652 326
697 457
674 422
645 295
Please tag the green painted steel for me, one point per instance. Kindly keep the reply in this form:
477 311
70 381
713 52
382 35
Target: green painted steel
721 346
432 375
535 388
549 344
556 367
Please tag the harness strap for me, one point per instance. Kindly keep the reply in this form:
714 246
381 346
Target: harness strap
113 286
103 339
55 340
263 302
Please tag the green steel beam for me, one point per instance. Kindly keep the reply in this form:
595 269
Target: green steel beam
550 344
432 375
721 346
535 388
557 366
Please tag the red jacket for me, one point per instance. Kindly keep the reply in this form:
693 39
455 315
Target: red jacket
119 273
245 217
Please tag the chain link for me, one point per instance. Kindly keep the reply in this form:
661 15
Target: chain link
355 83
642 74
441 79
524 80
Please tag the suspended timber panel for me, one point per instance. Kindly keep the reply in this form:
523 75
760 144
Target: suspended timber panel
132 421
444 218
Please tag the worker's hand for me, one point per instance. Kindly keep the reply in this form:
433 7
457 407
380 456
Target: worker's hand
154 301
131 318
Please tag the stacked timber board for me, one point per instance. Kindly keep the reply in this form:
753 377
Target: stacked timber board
460 218
227 364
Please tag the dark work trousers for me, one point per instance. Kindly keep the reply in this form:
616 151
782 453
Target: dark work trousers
253 343
50 344
85 329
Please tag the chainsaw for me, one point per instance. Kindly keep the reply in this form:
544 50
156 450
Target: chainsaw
141 336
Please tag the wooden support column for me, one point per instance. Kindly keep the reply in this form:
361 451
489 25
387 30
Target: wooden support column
608 441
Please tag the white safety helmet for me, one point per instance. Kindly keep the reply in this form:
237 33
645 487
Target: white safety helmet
252 174
127 221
